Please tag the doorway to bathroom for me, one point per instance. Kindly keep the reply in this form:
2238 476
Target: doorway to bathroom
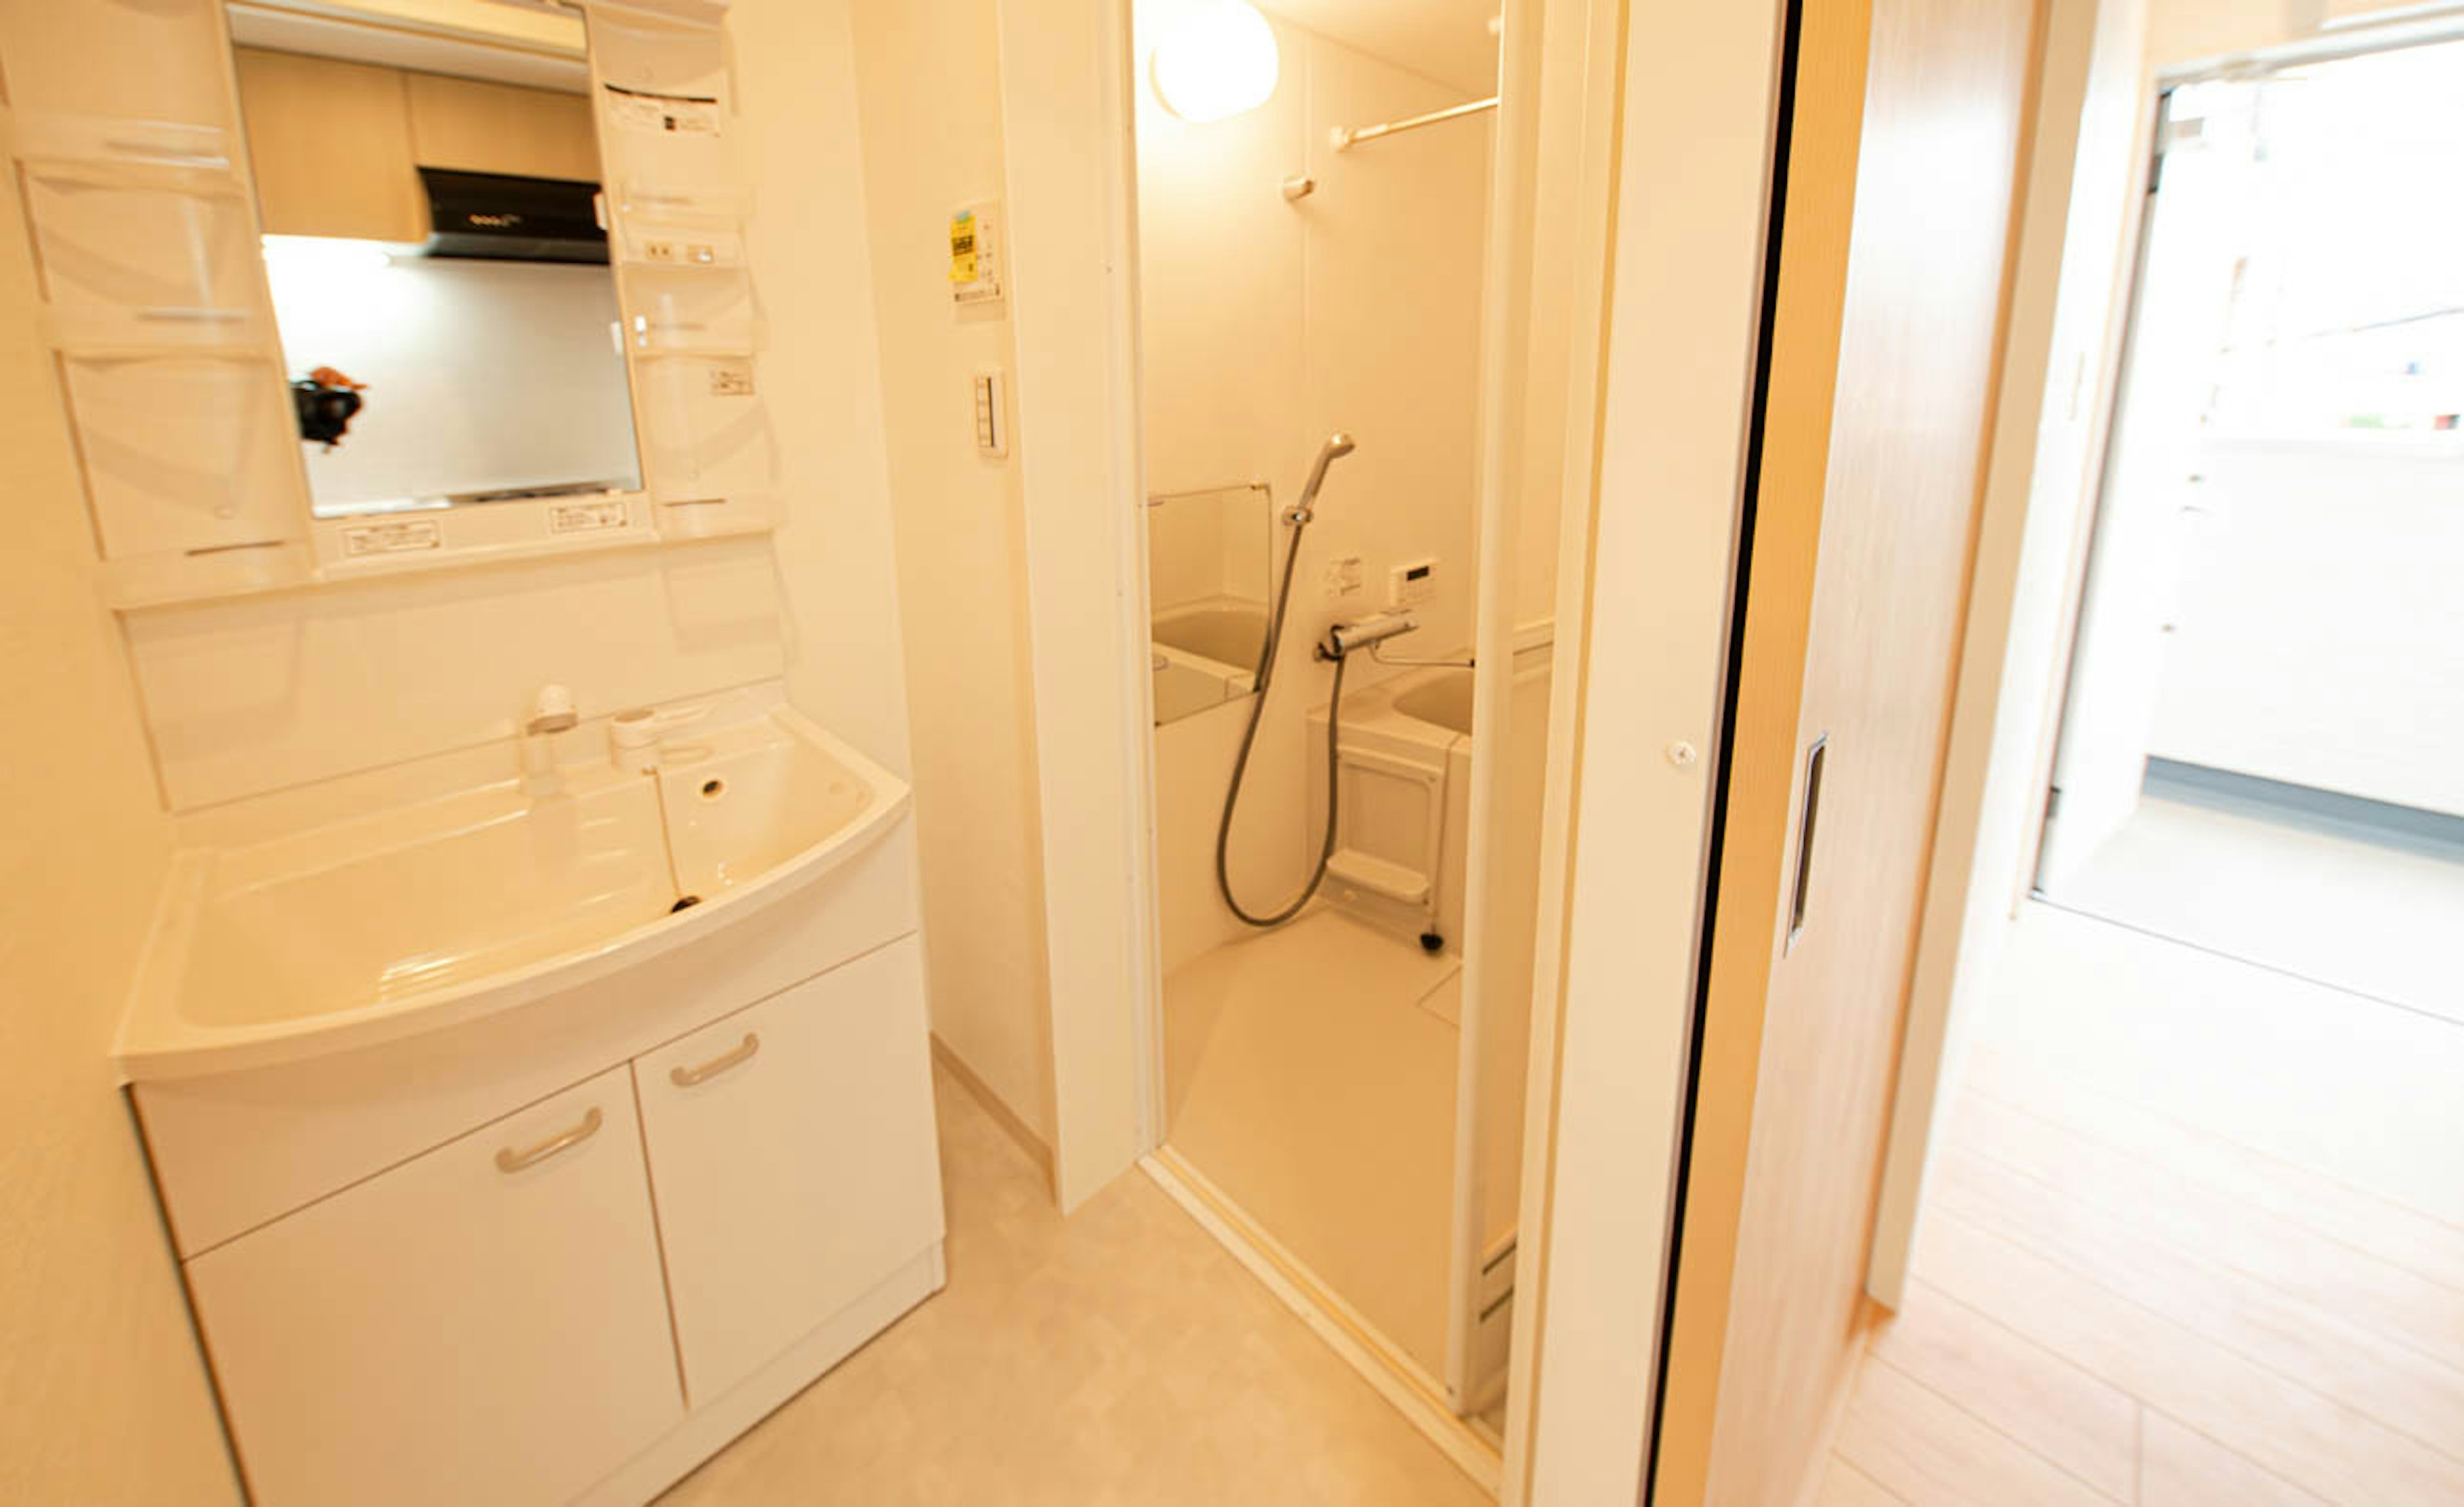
1346 870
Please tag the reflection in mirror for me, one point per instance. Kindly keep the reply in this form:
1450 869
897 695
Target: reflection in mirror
439 273
1208 557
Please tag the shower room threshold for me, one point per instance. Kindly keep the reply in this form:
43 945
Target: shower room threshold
1392 1374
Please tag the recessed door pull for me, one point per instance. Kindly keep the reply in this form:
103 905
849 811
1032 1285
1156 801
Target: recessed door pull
1808 814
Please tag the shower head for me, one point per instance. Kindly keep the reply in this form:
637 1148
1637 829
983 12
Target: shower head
1338 444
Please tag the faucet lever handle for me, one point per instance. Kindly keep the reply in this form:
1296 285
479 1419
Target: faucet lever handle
639 730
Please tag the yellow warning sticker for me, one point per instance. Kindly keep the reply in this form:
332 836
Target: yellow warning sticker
963 247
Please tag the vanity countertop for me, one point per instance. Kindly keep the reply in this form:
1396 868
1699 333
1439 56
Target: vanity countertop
467 901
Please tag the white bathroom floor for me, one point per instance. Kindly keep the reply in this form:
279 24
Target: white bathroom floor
1115 1358
1309 1074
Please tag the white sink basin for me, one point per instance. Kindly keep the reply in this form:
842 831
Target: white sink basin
416 917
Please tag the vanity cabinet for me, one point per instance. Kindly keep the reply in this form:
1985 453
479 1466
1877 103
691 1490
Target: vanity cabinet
589 1294
794 1161
483 1323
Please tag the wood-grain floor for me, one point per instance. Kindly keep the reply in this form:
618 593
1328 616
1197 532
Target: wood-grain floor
2115 1303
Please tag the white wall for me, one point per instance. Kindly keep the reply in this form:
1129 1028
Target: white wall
254 695
1268 325
102 1394
482 375
2319 636
2187 30
928 92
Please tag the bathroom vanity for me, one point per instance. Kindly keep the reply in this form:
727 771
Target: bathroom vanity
528 1118
495 1175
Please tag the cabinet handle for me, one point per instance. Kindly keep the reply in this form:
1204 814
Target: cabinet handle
687 1077
509 1160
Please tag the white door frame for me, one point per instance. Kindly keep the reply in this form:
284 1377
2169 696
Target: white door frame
1648 553
1646 608
1066 108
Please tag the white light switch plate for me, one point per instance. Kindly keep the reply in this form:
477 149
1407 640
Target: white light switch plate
992 416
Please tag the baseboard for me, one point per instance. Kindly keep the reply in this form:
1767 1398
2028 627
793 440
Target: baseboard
2328 810
716 1425
1020 1131
1411 1390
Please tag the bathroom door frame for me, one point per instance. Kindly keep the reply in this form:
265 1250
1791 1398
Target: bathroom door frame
1680 103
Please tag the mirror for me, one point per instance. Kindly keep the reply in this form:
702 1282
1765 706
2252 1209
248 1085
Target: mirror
440 278
1209 553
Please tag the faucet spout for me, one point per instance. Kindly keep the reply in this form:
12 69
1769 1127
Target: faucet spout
552 711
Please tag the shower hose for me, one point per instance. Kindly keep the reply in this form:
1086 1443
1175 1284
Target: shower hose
1249 737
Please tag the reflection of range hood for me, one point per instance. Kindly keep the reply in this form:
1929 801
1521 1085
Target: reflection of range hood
511 219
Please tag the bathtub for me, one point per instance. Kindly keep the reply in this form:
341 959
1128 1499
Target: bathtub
1405 818
1204 654
1228 632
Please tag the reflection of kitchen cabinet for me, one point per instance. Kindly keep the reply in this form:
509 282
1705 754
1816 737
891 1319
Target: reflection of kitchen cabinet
476 127
337 146
330 144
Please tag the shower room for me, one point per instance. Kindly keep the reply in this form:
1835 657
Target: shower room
1348 755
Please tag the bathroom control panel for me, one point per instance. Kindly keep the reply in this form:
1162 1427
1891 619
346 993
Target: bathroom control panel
1412 583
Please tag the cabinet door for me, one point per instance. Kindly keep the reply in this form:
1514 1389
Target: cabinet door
792 1152
452 1330
478 127
329 143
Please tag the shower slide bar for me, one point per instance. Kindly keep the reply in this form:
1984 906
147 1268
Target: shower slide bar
1347 137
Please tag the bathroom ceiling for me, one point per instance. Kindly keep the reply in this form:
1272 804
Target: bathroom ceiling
1446 40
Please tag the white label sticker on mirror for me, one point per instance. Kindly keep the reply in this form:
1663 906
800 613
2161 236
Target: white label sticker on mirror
392 538
585 517
663 115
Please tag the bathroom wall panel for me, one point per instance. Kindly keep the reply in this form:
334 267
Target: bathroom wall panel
256 695
929 93
1391 292
800 151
